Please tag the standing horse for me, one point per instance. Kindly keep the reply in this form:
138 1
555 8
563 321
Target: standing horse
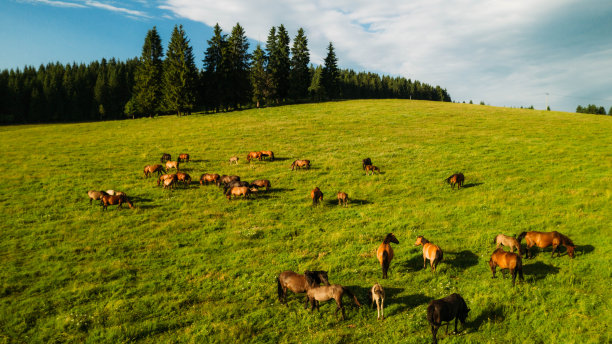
504 240
378 295
234 160
172 164
243 191
457 179
149 169
430 251
328 292
113 200
269 154
208 178
300 164
506 260
165 157
366 162
183 178
342 198
316 195
299 283
183 157
261 183
225 179
253 156
545 239
446 309
95 195
163 177
371 169
384 254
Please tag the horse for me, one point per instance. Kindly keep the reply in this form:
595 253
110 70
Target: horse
316 195
446 309
95 195
269 154
507 260
378 295
238 191
384 254
260 183
253 156
183 157
115 193
113 200
149 169
209 178
172 164
183 177
456 179
371 169
224 179
366 162
165 157
235 183
299 283
234 160
327 292
504 240
430 251
545 239
342 198
300 164
163 177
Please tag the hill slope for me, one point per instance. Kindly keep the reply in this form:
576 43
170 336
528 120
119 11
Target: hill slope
190 266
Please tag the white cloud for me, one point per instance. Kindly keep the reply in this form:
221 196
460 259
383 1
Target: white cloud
56 3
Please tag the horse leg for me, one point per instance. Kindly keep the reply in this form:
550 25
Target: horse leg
424 262
553 251
382 308
456 324
513 272
434 332
306 305
446 332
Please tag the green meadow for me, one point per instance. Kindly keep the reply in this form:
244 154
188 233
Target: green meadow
189 266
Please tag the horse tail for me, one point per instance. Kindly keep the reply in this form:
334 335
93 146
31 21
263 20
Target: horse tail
520 237
439 255
350 294
279 290
431 315
385 263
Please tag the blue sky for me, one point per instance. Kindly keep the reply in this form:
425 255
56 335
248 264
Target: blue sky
505 53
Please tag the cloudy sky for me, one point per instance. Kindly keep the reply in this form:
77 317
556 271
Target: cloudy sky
505 53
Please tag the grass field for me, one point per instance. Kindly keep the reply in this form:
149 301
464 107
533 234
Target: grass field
190 266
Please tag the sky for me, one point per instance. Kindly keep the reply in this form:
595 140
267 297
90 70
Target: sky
500 52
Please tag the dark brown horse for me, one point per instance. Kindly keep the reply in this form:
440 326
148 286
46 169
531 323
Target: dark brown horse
253 156
95 195
545 239
446 309
300 164
261 183
225 179
328 292
371 169
506 260
299 283
342 198
209 178
165 157
384 254
456 179
269 154
431 252
150 169
115 200
183 157
316 195
366 162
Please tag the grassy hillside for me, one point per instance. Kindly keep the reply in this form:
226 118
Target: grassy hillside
190 266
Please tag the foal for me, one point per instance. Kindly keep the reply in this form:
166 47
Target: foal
328 292
378 295
342 198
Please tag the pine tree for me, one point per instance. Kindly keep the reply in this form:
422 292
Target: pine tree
215 74
271 65
300 74
330 73
147 91
282 63
180 74
316 90
259 76
238 62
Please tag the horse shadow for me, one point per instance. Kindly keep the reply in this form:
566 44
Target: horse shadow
352 202
585 249
413 264
494 313
198 160
462 260
281 159
405 302
539 270
470 185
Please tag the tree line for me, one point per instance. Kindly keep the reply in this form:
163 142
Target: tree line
593 109
231 77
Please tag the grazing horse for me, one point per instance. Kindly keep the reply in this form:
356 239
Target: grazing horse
545 239
114 192
300 164
95 195
342 198
149 169
183 178
371 169
183 157
163 177
384 254
261 183
366 162
235 183
209 178
269 154
430 251
299 283
316 195
172 164
378 295
456 179
169 183
253 156
243 191
234 160
327 292
506 260
165 157
224 180
504 240
113 200
446 309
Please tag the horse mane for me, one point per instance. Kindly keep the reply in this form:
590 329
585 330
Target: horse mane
565 240
423 240
388 238
521 236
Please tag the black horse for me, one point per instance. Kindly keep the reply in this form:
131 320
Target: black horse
446 309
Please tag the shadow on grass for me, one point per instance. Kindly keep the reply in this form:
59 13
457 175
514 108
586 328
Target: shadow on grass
415 263
280 159
535 251
584 249
470 185
492 313
351 202
460 260
195 160
539 270
405 302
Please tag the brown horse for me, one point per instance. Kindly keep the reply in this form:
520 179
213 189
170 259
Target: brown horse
234 160
366 162
430 251
183 178
169 183
456 179
384 254
163 177
371 169
243 191
506 260
165 157
446 309
261 183
253 156
172 164
114 200
328 292
378 295
300 164
545 239
269 154
316 195
95 195
225 179
150 169
504 240
299 283
342 198
183 157
209 178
